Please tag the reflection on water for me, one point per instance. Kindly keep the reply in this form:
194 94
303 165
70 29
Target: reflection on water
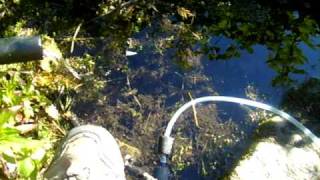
144 90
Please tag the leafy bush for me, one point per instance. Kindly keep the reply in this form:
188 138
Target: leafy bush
35 98
23 142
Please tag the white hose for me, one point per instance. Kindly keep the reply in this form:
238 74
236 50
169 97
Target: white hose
241 101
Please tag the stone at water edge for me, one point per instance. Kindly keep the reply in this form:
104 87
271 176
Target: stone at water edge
269 159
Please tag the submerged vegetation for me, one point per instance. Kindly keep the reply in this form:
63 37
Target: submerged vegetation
303 102
37 99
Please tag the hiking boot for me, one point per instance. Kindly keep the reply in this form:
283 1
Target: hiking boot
88 153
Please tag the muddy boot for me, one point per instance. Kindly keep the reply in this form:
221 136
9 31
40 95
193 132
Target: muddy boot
88 153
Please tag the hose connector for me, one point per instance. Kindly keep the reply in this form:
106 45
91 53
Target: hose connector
165 144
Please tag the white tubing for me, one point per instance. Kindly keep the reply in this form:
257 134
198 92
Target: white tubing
241 101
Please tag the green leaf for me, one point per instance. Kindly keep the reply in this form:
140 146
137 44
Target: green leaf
16 1
7 133
26 167
250 50
244 28
8 156
6 117
223 24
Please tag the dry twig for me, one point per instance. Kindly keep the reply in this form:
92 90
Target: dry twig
147 121
134 96
74 37
194 112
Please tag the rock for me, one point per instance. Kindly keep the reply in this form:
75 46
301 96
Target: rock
270 160
270 157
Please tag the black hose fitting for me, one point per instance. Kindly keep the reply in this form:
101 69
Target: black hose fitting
20 49
162 172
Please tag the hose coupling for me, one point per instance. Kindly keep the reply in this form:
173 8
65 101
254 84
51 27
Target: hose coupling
165 144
